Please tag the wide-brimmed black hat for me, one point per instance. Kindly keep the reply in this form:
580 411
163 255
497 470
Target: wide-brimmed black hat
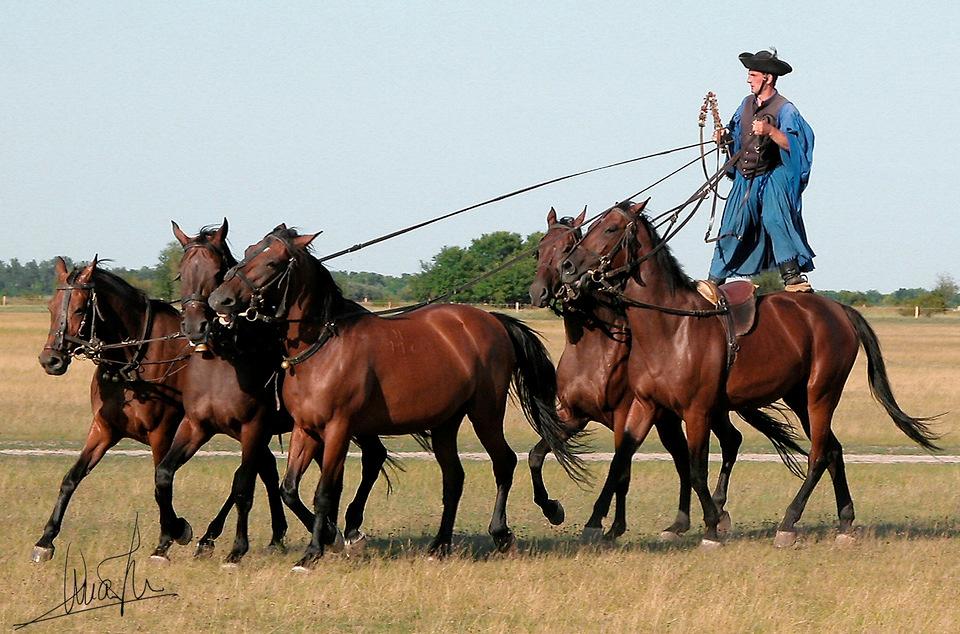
765 62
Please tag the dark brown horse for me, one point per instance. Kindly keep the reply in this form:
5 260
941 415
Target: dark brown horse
229 389
801 350
592 384
136 389
353 372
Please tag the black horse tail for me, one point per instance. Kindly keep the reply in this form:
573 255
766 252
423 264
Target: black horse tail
915 428
781 433
535 384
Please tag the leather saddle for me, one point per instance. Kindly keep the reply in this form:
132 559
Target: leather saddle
739 301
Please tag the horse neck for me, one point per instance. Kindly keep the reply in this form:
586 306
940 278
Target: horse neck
652 287
594 330
310 309
123 314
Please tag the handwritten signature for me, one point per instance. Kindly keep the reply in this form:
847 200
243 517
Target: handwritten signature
83 594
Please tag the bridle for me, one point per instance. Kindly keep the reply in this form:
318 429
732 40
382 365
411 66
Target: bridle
611 281
91 309
255 308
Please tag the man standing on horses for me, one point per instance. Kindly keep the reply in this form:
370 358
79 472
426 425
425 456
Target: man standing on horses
762 225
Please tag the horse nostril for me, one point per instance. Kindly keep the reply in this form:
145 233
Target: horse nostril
226 301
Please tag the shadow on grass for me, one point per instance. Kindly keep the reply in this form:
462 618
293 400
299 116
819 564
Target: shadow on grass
479 547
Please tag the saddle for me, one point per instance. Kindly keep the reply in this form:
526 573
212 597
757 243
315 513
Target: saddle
739 300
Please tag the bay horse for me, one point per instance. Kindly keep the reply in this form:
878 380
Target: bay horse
350 371
136 388
592 385
229 389
801 350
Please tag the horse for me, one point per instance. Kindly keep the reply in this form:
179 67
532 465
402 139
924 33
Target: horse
229 390
801 350
136 389
350 371
592 384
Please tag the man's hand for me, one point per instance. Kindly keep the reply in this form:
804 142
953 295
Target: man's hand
762 127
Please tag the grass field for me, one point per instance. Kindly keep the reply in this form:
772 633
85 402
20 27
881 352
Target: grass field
899 576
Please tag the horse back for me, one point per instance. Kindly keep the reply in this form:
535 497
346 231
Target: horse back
799 338
389 375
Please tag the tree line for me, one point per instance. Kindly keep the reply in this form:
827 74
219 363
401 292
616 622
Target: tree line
446 274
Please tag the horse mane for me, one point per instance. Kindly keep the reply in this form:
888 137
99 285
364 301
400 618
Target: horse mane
112 283
206 237
675 276
333 303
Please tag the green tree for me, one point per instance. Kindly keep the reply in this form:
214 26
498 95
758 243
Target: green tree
167 282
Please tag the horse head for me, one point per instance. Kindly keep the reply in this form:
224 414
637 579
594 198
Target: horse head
262 278
205 260
72 312
554 247
604 248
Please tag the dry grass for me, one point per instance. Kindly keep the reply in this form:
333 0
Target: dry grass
899 577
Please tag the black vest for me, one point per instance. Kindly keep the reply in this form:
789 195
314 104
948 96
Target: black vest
762 154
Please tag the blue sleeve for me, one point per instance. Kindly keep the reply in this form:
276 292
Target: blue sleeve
734 128
799 159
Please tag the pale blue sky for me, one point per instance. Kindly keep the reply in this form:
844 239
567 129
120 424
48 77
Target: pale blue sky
361 118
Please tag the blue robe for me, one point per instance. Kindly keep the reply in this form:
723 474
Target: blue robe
762 226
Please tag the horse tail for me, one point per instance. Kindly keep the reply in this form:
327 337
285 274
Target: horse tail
781 433
535 385
915 428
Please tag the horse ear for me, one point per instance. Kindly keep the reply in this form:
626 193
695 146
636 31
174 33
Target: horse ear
552 217
181 237
579 219
304 240
639 207
280 227
221 233
60 267
86 274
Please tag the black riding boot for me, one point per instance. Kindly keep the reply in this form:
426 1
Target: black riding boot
793 279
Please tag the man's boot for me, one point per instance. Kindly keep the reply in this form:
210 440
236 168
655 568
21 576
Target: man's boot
793 280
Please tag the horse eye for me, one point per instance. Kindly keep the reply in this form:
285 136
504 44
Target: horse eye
610 229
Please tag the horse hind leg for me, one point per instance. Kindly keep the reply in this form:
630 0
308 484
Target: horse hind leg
487 422
815 418
207 543
373 455
267 470
444 440
841 490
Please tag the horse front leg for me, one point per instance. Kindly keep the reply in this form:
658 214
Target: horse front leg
730 440
99 439
253 440
335 445
267 470
628 436
302 450
552 509
189 438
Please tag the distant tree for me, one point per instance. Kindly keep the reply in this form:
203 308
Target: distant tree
768 282
167 282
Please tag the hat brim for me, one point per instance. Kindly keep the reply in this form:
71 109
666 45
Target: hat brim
770 65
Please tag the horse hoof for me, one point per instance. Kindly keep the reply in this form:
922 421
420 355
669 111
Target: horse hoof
591 534
846 539
507 543
277 547
203 550
439 552
41 554
556 515
338 543
356 543
187 535
725 523
785 539
710 544
668 537
160 560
